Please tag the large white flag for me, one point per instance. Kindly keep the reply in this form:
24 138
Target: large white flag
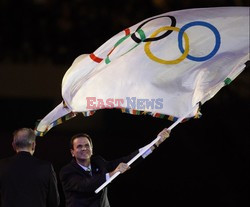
165 65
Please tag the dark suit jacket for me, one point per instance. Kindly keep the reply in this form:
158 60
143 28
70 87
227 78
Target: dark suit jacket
26 181
79 186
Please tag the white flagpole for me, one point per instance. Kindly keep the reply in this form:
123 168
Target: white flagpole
143 151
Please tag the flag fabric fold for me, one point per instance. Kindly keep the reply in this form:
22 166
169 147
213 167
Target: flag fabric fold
162 66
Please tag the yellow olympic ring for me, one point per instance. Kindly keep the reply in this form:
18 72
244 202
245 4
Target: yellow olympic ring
159 60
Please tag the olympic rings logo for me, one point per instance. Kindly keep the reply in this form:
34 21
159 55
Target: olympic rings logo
169 29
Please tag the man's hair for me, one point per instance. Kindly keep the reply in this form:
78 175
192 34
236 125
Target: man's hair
23 138
78 136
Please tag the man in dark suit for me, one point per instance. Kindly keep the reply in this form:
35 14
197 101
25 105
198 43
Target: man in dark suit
26 181
85 173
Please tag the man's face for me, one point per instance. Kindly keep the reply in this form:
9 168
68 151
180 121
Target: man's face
82 149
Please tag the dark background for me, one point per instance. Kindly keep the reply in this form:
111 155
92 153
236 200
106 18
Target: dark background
204 162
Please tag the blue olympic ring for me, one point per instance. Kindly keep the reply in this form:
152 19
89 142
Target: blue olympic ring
205 24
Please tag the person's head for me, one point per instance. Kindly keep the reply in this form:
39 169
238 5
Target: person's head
81 148
24 139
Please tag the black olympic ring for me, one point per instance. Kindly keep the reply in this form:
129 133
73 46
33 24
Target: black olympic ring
168 32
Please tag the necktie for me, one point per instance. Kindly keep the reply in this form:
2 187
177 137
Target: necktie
89 171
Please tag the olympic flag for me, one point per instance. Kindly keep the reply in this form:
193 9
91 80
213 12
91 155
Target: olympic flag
163 65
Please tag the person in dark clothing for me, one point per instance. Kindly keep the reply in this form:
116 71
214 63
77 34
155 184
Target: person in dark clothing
25 180
86 172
